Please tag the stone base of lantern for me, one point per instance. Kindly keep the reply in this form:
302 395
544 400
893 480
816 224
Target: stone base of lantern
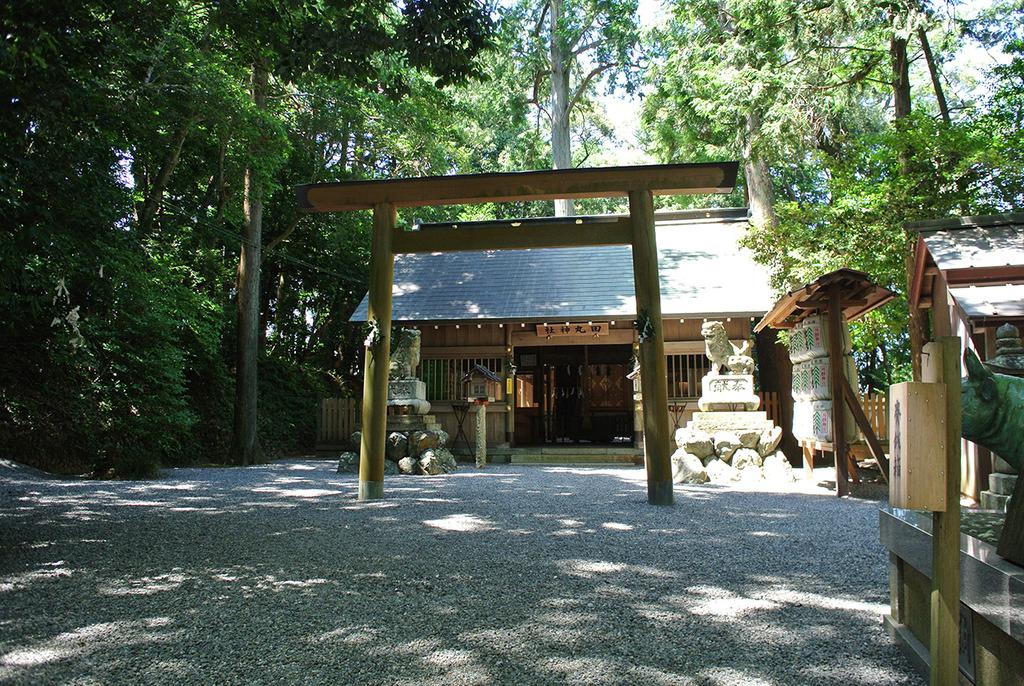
481 435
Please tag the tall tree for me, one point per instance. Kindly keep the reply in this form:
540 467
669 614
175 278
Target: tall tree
569 46
282 41
765 81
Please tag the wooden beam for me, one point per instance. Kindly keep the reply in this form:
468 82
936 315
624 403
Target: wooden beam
865 426
979 276
685 347
561 235
436 352
528 338
375 373
663 179
653 370
838 374
945 596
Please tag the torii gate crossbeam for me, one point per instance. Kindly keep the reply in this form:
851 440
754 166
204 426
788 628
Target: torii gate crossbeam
639 184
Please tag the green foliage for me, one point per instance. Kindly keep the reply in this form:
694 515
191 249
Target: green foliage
805 88
127 131
128 128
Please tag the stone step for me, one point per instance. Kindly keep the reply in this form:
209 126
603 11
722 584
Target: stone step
582 449
1002 483
994 501
575 458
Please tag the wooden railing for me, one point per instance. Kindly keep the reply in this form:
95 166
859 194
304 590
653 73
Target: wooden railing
337 419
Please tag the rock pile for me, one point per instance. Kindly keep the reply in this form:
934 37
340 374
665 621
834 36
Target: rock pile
727 456
407 452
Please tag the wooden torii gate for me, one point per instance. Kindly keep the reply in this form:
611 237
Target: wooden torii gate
639 184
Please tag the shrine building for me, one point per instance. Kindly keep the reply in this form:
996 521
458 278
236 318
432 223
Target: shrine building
557 325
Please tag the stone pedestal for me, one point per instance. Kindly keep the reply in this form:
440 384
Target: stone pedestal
1000 488
728 392
408 394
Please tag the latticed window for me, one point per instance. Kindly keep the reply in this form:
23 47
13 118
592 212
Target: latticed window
443 376
685 372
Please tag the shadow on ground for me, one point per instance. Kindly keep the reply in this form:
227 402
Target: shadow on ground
535 575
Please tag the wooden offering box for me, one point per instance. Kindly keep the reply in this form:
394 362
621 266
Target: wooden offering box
917 446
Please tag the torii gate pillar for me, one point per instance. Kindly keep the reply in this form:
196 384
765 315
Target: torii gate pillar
653 369
378 356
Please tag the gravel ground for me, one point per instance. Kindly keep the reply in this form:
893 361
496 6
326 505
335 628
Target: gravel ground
513 575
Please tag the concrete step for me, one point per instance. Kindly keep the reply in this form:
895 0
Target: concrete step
994 501
1002 483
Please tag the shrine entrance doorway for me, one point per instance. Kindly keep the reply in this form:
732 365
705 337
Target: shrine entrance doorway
574 395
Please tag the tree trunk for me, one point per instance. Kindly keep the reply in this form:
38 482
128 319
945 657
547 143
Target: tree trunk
561 142
885 363
245 447
933 70
760 197
901 110
900 77
915 323
163 177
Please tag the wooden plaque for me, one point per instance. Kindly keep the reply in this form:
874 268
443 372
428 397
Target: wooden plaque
917 446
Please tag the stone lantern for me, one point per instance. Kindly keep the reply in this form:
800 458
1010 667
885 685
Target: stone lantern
1009 360
478 383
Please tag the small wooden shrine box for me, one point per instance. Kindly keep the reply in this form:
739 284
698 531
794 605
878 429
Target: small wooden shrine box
917 446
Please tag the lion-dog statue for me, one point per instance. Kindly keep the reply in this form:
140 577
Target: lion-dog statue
722 352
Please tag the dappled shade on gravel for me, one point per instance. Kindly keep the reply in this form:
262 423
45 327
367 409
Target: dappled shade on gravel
533 575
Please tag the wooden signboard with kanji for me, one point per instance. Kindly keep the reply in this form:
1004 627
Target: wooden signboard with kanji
917 446
591 330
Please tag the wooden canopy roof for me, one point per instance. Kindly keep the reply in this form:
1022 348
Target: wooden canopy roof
981 261
858 296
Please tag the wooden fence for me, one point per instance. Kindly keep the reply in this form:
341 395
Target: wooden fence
772 406
338 418
876 409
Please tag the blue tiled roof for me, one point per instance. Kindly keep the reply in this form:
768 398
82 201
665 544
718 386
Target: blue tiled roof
703 272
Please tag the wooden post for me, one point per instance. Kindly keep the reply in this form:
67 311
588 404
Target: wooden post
653 371
837 373
865 427
944 644
375 374
510 398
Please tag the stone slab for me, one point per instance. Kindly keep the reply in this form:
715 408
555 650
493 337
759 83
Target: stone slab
994 501
410 421
1002 484
710 422
991 586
